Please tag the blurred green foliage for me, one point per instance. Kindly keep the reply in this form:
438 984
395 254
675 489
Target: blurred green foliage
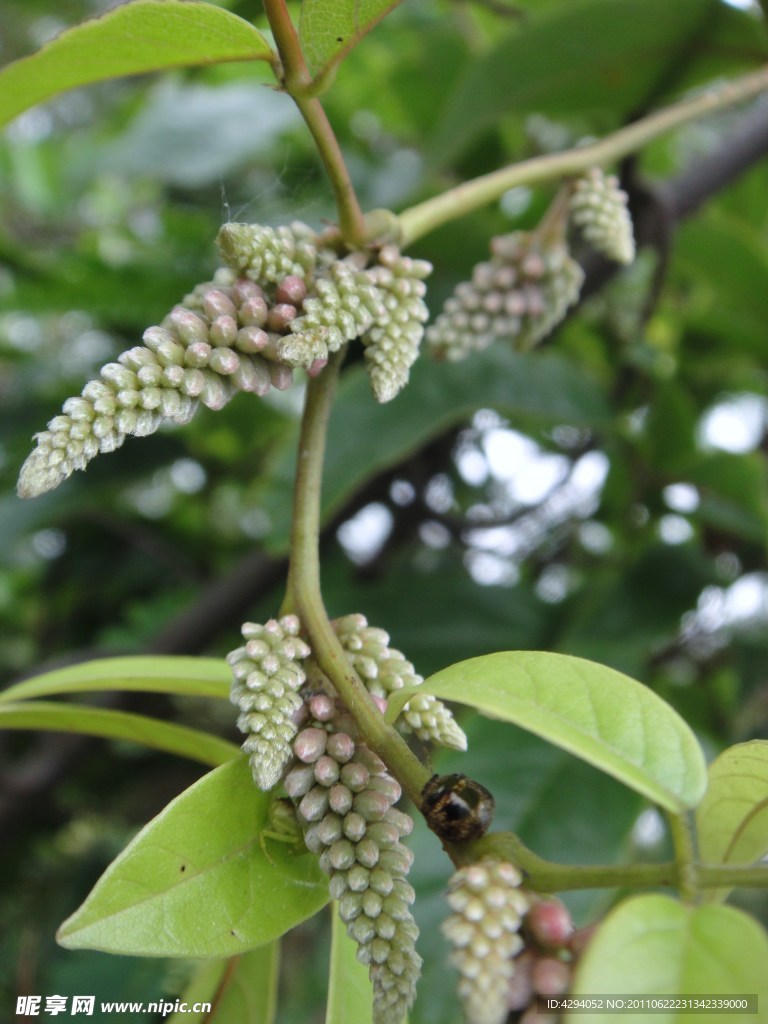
606 495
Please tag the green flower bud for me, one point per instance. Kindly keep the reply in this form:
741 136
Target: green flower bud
599 208
355 825
268 673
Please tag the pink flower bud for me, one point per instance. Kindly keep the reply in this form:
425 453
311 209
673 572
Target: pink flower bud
251 339
216 304
550 977
341 747
292 289
549 924
280 316
310 745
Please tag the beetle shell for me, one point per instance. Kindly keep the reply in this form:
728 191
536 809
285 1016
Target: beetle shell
457 808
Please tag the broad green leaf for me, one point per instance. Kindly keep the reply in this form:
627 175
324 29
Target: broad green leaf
184 676
732 819
350 996
197 881
119 725
328 29
243 988
542 387
596 713
581 58
132 39
654 945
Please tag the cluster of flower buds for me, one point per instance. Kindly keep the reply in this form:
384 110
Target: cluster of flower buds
519 295
280 303
392 342
383 669
220 341
599 207
381 304
267 676
267 255
345 801
484 930
343 305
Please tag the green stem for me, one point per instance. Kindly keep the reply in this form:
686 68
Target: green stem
304 596
296 80
547 876
725 876
419 220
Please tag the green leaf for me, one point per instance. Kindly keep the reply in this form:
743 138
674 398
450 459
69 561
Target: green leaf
350 996
581 58
243 988
177 674
328 29
119 725
732 819
132 39
654 945
197 882
596 713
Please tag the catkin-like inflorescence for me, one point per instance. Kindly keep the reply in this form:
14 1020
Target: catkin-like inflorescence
280 303
519 295
599 207
381 304
267 675
392 342
384 669
488 908
343 304
219 342
345 801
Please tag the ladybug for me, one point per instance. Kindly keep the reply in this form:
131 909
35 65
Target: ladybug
457 808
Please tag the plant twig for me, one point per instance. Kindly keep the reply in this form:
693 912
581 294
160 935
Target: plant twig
548 876
419 220
303 595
